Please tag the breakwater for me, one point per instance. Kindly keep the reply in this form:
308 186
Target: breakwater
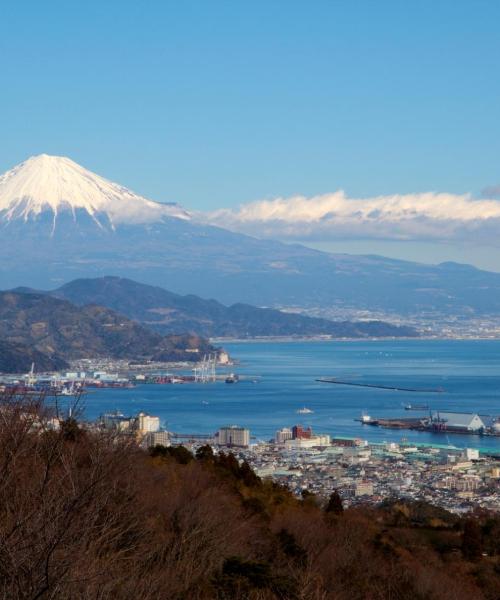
381 387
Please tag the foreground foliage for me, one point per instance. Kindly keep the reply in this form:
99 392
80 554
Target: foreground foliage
85 515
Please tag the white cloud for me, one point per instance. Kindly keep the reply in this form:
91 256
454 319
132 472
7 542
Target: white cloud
426 216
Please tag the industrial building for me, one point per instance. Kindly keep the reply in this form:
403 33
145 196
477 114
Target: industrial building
459 421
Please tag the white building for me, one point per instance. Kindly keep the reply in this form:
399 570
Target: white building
282 435
462 421
312 442
147 424
233 435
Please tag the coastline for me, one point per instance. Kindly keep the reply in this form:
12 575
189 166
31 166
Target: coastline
327 338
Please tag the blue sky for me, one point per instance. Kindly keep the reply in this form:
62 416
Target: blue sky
214 104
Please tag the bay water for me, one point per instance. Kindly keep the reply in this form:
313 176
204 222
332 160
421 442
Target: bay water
279 378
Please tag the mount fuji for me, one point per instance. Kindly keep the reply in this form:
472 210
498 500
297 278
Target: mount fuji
57 185
60 222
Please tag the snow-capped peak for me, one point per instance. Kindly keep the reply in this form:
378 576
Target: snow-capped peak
58 184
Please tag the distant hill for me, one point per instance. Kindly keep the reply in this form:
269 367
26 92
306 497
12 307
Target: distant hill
18 358
62 331
167 312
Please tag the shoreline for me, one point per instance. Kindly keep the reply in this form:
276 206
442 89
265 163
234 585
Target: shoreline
284 339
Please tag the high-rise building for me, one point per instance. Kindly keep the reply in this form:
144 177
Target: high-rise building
233 435
282 435
146 423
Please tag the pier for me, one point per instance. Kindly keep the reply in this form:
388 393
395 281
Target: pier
427 424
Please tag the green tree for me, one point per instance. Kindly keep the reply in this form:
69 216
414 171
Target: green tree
334 505
248 476
178 453
472 543
205 453
228 462
71 430
290 546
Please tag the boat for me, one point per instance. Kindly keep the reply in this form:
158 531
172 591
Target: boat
232 378
67 391
367 420
416 407
304 411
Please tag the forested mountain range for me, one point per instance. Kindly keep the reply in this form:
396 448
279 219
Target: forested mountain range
51 331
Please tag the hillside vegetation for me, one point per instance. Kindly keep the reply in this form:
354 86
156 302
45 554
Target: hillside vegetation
18 358
86 515
36 323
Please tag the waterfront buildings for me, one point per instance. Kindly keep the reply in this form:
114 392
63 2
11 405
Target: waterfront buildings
308 442
140 425
282 435
459 421
233 435
455 479
300 437
156 438
147 423
299 432
116 421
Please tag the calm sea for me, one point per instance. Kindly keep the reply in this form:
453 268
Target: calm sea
278 378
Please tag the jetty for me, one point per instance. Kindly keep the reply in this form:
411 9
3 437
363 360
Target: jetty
380 386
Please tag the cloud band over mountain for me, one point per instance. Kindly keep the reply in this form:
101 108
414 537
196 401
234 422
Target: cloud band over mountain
425 216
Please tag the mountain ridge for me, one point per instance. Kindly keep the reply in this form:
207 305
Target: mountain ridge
62 331
167 312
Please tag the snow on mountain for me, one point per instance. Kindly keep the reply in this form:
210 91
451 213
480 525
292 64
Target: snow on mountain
57 184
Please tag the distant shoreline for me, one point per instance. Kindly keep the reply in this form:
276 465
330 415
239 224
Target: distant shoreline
285 339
